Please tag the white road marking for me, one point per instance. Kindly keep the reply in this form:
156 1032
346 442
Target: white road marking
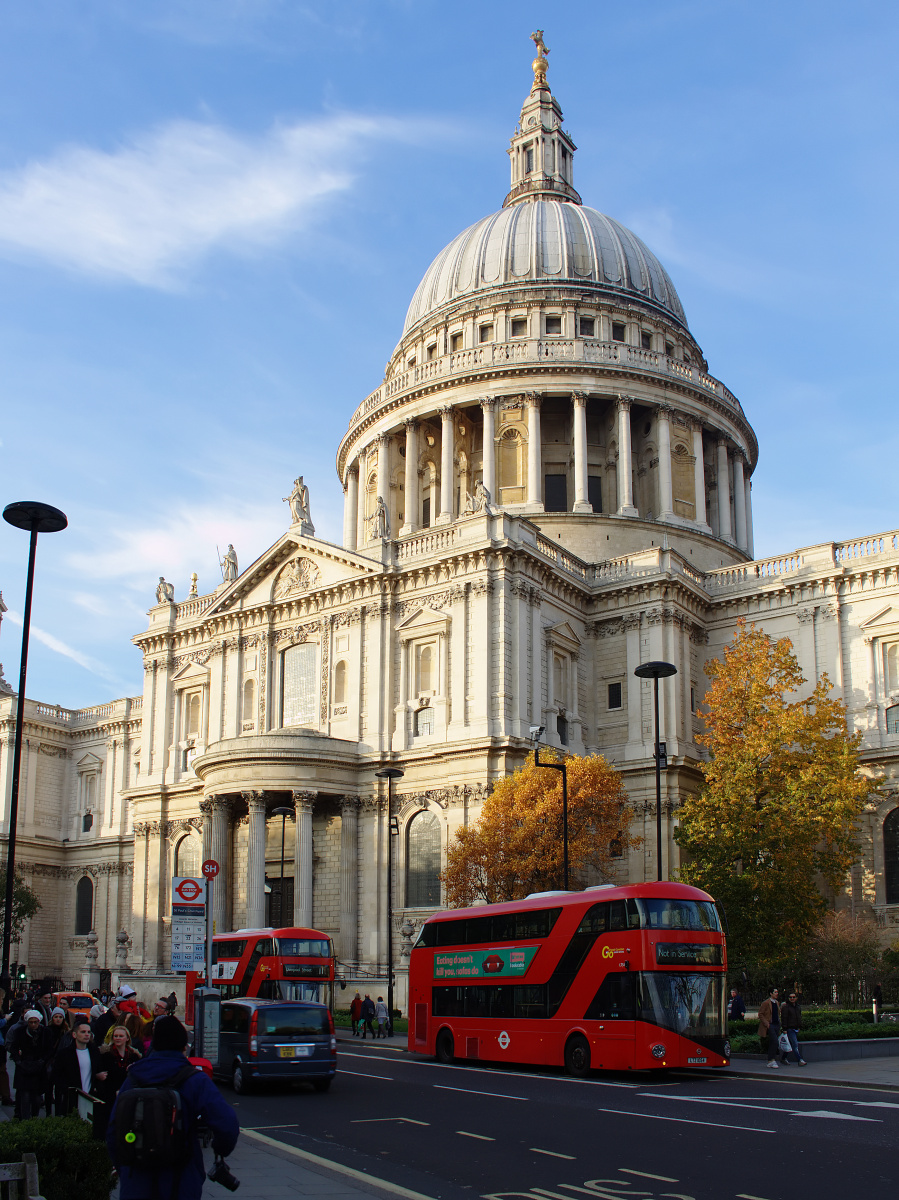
647 1175
365 1074
473 1092
482 1137
376 1120
383 1185
624 1112
521 1075
370 1057
552 1153
746 1196
791 1112
868 1103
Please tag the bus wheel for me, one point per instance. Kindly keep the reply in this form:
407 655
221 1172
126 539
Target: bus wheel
577 1056
445 1048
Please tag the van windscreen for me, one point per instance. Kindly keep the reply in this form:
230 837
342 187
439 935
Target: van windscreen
286 1021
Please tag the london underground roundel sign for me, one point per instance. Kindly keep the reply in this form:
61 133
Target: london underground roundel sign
189 890
210 868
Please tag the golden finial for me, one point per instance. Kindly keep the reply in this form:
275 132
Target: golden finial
539 64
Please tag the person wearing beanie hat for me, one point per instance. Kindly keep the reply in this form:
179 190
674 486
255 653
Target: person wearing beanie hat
97 1011
28 1050
199 1096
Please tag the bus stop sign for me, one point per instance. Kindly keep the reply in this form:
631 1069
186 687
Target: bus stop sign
210 868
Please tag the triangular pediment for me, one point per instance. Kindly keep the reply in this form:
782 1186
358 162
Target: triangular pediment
884 616
294 566
424 615
89 762
192 672
563 635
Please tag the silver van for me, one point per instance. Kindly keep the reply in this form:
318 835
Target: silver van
276 1040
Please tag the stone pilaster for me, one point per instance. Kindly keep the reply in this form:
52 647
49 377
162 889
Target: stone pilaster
302 862
255 859
579 414
626 507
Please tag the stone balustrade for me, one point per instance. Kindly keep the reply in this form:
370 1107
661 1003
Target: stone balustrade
537 350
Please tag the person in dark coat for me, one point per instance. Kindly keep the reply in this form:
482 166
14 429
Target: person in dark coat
200 1100
736 1009
58 1035
118 1058
368 1016
77 1066
356 1013
27 1049
769 1026
790 1023
102 1024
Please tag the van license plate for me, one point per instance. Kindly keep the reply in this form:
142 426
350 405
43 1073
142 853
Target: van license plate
286 1051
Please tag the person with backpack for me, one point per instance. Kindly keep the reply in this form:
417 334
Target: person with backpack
153 1132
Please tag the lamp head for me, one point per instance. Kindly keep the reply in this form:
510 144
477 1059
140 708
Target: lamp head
655 670
32 514
389 773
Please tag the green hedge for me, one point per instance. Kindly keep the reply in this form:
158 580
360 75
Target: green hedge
342 1020
743 1041
70 1161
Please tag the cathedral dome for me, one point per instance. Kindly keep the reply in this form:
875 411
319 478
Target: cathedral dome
545 241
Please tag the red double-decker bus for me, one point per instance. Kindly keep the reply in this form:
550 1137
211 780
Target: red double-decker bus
274 964
614 978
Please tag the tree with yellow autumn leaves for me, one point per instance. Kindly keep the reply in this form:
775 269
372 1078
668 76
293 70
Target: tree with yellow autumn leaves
516 845
775 821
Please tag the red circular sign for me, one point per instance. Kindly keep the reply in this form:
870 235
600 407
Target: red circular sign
210 868
189 890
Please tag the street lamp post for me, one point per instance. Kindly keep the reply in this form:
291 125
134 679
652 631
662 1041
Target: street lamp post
283 813
390 773
36 518
536 733
656 671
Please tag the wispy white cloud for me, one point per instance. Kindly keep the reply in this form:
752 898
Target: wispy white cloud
148 210
60 647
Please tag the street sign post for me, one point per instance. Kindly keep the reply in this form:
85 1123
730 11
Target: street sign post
210 870
189 910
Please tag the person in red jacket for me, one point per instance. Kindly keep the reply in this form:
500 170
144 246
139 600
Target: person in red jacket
356 1014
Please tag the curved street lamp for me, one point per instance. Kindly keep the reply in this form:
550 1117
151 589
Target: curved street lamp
390 773
36 518
656 671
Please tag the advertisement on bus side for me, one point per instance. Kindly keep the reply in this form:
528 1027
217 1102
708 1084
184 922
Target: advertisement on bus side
483 964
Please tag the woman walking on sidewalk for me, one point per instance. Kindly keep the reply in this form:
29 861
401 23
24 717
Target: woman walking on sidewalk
382 1015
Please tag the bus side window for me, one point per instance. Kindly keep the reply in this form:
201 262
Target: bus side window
270 989
596 920
530 1000
633 914
504 928
478 930
615 1000
617 916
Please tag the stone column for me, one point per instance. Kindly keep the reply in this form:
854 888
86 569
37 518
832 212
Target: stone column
302 860
699 475
361 515
625 469
535 457
411 498
488 407
579 413
666 495
740 501
724 525
447 438
351 508
349 881
255 859
384 469
750 540
217 811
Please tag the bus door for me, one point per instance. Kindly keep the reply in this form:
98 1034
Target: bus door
610 998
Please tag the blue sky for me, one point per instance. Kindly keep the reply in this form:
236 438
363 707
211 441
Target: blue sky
214 213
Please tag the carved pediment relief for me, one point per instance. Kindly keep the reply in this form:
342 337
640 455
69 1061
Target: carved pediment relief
299 575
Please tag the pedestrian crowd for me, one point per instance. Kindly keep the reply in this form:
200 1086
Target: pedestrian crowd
364 1014
779 1025
57 1051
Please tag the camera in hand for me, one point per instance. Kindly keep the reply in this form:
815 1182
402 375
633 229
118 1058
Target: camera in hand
221 1173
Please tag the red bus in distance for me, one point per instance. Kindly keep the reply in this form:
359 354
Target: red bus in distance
274 964
611 978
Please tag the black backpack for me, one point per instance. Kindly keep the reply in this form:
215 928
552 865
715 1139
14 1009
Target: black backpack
149 1126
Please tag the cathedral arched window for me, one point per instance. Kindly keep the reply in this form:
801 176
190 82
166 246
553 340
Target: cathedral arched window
891 856
423 861
84 905
423 722
193 715
340 682
892 715
187 858
424 668
891 667
249 704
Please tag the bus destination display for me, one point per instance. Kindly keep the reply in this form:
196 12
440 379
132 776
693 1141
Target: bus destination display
688 954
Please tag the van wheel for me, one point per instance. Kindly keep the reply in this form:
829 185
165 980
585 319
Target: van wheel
239 1080
446 1047
322 1085
577 1056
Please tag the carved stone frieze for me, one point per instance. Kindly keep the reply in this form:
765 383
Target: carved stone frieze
299 575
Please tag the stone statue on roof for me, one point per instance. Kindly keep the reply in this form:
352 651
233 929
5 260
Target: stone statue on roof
299 507
165 592
229 565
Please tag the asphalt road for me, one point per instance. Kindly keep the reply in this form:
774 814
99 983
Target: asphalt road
457 1131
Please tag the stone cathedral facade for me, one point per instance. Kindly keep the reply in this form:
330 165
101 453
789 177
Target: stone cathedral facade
548 488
